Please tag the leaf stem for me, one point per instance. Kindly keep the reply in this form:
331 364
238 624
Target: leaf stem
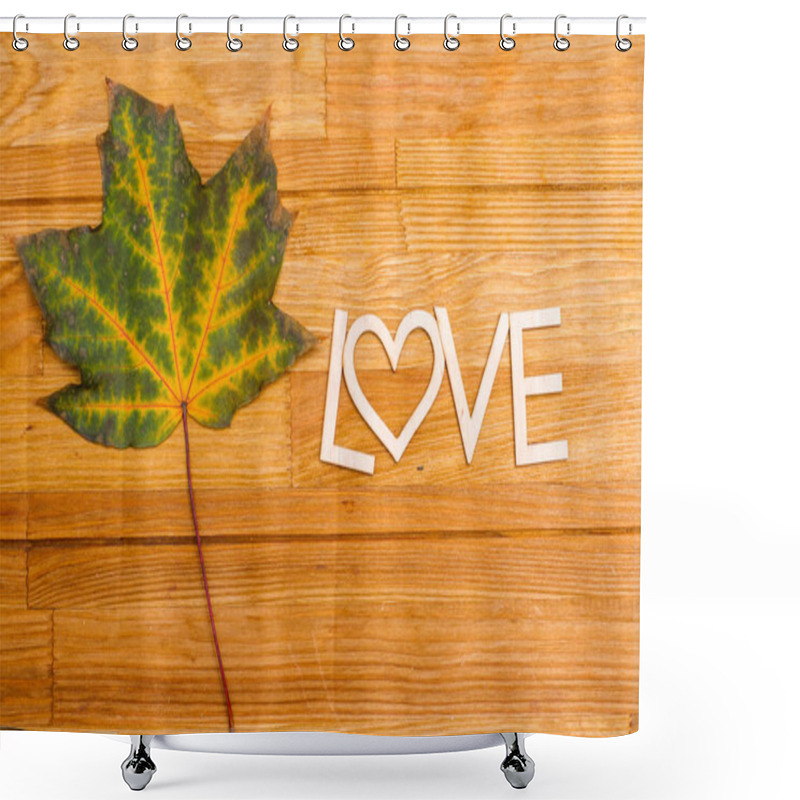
203 569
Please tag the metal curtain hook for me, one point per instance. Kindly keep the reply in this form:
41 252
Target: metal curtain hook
182 42
623 45
70 42
234 45
345 42
290 44
400 42
18 43
561 44
506 42
450 42
128 42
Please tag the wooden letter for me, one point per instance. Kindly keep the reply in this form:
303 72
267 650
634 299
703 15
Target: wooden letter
470 425
372 324
331 453
522 387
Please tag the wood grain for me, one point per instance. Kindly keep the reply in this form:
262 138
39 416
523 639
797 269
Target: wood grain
259 453
307 513
600 426
599 301
21 348
26 667
359 164
577 163
430 92
434 597
338 571
301 660
338 672
75 173
43 86
13 515
13 573
381 221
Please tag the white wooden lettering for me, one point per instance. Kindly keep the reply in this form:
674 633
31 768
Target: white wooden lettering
470 424
522 387
438 330
332 453
414 320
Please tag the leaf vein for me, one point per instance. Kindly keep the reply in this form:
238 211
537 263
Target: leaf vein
216 293
238 368
129 406
146 187
127 336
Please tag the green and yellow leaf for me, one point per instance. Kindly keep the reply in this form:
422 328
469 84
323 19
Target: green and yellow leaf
167 303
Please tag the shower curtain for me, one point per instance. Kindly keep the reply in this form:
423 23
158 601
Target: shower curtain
320 386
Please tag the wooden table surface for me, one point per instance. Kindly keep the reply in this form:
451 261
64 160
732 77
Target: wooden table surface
433 597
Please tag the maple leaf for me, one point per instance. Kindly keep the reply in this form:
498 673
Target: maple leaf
165 307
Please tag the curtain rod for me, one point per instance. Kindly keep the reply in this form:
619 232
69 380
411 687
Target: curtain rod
407 26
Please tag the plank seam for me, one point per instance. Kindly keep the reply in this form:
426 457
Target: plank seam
325 82
52 666
267 538
445 188
291 433
27 574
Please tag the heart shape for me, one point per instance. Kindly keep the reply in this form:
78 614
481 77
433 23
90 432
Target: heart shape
369 323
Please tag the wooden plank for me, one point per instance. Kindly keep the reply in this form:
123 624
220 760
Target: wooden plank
398 282
520 220
134 513
20 322
389 660
544 567
72 171
13 574
26 675
390 222
43 86
13 515
598 413
573 162
256 447
326 222
600 301
592 90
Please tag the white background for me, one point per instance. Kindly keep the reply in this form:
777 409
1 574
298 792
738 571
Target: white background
720 705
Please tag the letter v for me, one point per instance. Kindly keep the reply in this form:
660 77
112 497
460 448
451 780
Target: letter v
470 424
